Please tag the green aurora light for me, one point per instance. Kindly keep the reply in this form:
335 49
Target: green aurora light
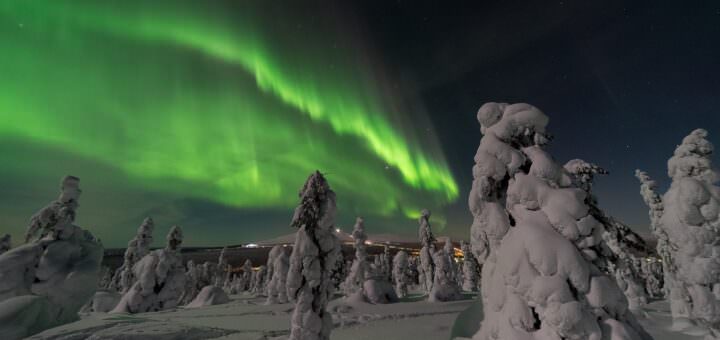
229 107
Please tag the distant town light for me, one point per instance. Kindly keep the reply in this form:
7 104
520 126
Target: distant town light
337 230
251 245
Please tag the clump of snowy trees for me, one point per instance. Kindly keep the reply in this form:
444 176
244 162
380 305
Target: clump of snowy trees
445 286
47 280
686 221
537 240
313 258
160 279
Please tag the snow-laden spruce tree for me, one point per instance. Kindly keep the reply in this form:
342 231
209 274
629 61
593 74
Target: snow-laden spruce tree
247 274
445 286
259 281
622 248
386 263
45 282
450 253
471 270
223 272
536 238
359 269
192 288
400 273
160 279
316 249
277 269
5 243
687 221
137 248
427 241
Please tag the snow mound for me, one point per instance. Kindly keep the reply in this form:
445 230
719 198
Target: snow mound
209 296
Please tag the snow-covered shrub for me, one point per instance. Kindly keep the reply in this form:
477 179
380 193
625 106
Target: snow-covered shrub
427 241
160 279
316 249
400 273
276 287
209 296
137 248
359 269
45 282
5 243
470 268
687 222
536 238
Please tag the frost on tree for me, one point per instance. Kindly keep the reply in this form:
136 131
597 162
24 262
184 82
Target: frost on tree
5 243
687 222
160 279
137 248
277 270
470 268
445 286
45 282
359 269
534 234
309 282
400 273
427 241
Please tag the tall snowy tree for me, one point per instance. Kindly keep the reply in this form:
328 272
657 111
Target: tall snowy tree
137 248
687 222
427 241
160 279
277 269
400 273
533 232
247 274
358 271
223 273
471 270
313 258
5 243
45 282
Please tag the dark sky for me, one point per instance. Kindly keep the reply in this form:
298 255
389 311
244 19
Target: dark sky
622 81
210 115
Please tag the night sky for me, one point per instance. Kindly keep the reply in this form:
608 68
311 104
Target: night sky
210 115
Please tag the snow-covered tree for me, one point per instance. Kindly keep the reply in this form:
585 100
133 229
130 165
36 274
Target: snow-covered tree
160 279
534 234
385 263
223 272
192 284
137 248
450 253
400 273
445 286
313 258
687 222
5 243
45 282
247 273
259 281
471 270
358 271
278 268
427 241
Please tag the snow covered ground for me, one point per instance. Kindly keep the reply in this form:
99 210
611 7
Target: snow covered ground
248 318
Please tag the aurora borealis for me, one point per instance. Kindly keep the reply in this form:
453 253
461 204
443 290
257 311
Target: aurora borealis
211 114
216 104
